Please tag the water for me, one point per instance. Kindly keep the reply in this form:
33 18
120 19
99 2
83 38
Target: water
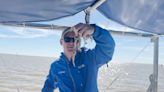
28 73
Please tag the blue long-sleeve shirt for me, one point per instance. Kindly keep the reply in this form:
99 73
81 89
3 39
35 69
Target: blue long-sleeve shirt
82 77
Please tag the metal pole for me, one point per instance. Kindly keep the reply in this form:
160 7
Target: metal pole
155 64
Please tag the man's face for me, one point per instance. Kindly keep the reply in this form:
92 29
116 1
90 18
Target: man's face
69 42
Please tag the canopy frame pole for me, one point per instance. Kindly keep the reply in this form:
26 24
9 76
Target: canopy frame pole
95 6
155 65
154 82
92 8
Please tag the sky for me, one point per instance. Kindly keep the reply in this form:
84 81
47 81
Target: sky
35 42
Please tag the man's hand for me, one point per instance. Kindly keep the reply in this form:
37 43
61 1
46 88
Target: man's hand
83 30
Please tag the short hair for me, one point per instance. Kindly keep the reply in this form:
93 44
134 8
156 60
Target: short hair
70 29
65 32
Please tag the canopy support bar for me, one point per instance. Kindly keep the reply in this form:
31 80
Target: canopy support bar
61 28
92 8
153 87
155 65
95 6
37 26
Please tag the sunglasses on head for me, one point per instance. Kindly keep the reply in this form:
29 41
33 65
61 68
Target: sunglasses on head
69 39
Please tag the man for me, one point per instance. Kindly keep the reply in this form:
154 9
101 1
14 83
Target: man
76 70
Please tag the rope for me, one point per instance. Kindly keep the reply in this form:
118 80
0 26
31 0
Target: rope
133 59
139 53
